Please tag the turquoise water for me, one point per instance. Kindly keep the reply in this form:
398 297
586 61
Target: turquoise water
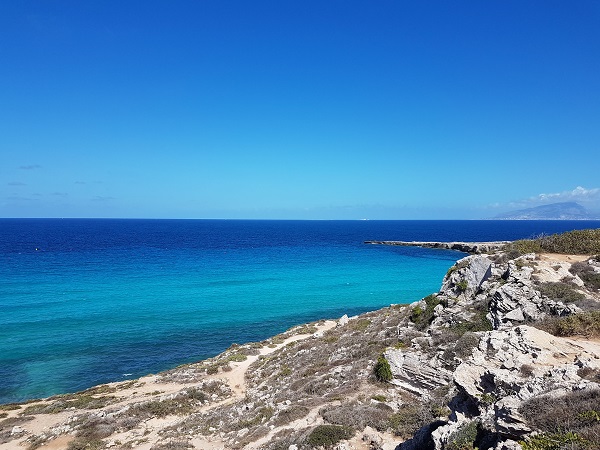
88 302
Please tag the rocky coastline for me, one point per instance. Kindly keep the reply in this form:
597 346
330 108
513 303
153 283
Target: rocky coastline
465 247
478 364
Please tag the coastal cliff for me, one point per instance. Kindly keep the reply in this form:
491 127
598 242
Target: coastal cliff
497 359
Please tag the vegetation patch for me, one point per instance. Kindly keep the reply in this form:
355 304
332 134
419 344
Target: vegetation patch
561 291
360 324
423 317
522 247
173 445
555 441
457 266
570 421
409 419
582 324
328 435
462 285
6 426
291 414
464 438
77 401
356 416
237 357
10 407
382 369
576 242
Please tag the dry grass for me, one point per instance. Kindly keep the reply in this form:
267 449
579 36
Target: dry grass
583 324
573 418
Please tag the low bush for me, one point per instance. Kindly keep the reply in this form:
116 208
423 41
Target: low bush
462 285
62 403
578 242
382 369
423 317
589 374
561 291
328 435
409 419
463 438
591 280
522 247
290 414
581 242
359 416
555 441
569 421
582 324
579 267
173 445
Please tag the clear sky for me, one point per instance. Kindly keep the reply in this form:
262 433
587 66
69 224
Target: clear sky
297 109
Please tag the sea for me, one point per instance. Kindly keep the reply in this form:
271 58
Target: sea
90 301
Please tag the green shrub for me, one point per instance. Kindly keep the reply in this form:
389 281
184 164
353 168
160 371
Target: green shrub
578 242
462 285
423 317
409 419
522 247
10 407
85 444
569 421
327 435
237 357
464 437
284 372
582 324
357 416
360 324
591 280
581 242
560 291
554 441
382 369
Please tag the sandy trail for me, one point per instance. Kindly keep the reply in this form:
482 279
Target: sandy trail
562 257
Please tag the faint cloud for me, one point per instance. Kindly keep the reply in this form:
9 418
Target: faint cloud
60 194
30 167
16 183
102 199
579 194
80 182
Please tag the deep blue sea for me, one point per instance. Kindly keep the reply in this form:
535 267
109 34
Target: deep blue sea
84 302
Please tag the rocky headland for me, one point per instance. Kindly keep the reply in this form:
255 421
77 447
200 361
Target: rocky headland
465 247
505 356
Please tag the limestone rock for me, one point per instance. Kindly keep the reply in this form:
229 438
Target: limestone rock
466 276
416 371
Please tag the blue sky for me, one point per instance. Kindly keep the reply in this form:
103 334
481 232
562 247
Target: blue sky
297 109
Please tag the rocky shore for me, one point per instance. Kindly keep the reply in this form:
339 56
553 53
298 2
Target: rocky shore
465 247
494 360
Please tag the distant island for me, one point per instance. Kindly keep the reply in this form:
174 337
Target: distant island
553 211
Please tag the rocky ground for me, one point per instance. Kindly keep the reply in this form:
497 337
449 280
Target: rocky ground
505 356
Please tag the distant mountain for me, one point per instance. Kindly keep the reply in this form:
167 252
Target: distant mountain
554 211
